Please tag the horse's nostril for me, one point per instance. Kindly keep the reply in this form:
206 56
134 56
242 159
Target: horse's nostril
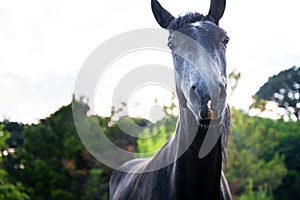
204 114
207 113
194 87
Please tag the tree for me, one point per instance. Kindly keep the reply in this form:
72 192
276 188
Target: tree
151 145
252 155
283 88
8 190
55 164
290 147
156 135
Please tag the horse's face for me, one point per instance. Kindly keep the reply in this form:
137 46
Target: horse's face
198 47
198 51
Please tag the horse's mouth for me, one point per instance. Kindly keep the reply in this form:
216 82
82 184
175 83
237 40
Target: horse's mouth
209 118
208 114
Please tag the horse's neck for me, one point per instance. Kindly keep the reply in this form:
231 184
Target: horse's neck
196 177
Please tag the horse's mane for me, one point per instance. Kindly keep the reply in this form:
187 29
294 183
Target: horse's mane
189 18
225 132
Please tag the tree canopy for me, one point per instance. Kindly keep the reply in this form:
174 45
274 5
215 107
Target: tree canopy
52 163
283 88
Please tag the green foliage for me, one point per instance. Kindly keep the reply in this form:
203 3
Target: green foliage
4 135
263 161
55 164
92 187
150 145
252 154
290 147
154 137
8 190
249 194
12 192
15 130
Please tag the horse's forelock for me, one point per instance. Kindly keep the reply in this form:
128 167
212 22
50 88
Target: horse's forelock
189 18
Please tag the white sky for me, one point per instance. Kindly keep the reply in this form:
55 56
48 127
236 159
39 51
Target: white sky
44 43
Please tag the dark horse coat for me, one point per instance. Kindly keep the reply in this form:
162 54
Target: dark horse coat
204 120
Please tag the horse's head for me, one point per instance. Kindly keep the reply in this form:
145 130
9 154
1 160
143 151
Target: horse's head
198 47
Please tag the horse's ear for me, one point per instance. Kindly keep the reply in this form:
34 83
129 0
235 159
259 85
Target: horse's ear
216 10
162 16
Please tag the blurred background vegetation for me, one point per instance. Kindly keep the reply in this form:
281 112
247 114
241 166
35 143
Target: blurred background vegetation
48 161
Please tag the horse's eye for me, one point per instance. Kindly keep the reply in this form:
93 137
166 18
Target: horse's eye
226 40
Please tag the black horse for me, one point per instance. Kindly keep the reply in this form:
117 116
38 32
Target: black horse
197 148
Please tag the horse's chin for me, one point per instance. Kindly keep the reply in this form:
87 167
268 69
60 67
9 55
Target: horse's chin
211 119
209 122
